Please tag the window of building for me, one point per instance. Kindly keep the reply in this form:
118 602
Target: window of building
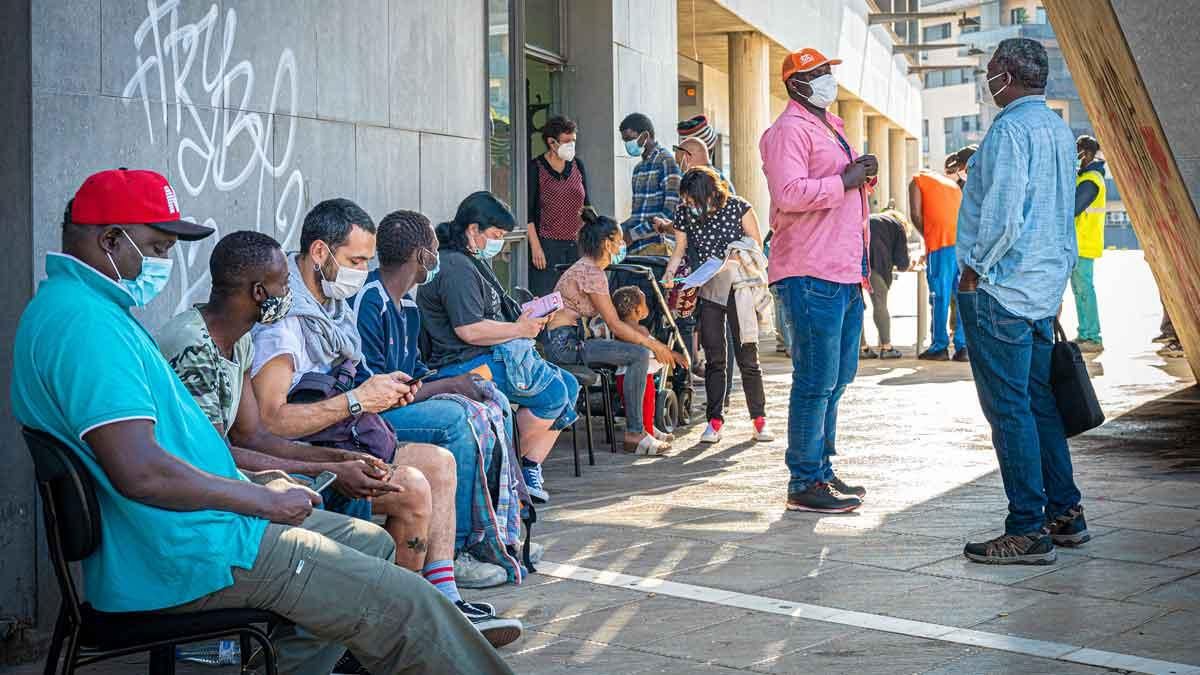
925 136
970 28
939 31
543 25
961 131
502 179
1018 16
1040 15
948 77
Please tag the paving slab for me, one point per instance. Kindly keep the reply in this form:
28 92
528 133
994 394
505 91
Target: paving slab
568 656
960 568
752 572
1171 638
1112 579
1135 545
639 623
662 557
1071 619
727 644
1181 594
1153 518
1003 662
867 653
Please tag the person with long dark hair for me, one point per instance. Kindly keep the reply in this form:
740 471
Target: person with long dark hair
586 295
474 326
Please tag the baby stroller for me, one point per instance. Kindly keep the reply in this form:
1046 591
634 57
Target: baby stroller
673 397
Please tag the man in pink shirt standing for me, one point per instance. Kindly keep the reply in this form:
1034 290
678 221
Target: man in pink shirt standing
818 264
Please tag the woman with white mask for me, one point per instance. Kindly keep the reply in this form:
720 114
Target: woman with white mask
557 193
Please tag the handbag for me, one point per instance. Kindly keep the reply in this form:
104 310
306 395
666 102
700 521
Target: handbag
368 432
1072 386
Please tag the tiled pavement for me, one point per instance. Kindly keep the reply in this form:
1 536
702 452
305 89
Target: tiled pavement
870 584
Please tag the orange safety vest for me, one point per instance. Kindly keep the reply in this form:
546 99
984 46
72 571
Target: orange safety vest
940 199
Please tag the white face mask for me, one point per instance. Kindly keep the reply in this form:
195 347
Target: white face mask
566 151
346 284
1001 88
824 91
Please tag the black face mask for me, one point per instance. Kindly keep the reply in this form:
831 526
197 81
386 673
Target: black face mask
275 308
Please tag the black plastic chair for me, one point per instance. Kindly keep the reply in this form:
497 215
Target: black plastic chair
72 516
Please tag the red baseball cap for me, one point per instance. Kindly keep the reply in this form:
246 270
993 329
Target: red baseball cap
805 60
132 197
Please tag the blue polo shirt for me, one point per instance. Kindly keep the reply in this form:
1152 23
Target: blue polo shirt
81 361
390 333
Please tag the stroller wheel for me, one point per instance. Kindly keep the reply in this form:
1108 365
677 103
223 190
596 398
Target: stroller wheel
666 410
684 397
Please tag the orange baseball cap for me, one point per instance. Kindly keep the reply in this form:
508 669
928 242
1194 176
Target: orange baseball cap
805 60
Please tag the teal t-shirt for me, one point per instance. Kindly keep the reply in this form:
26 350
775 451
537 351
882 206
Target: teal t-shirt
80 361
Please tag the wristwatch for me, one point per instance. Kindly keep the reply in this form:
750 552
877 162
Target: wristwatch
355 407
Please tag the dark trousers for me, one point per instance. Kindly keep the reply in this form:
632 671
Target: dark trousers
558 252
713 338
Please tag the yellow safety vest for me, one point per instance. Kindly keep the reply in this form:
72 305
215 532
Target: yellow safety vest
1089 225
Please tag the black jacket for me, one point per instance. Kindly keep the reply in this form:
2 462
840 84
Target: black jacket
889 246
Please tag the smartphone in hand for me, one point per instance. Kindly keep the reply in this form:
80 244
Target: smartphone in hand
544 306
429 373
323 481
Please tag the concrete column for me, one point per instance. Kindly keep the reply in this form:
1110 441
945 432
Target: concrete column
749 114
896 165
877 144
851 113
912 164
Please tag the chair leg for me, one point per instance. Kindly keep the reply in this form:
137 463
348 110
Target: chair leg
267 651
610 422
162 660
575 443
72 653
56 642
587 407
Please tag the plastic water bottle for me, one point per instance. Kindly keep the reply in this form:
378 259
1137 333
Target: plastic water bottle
221 653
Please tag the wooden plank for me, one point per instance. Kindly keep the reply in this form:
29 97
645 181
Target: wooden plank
1143 165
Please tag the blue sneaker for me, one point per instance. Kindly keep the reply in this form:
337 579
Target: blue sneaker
533 482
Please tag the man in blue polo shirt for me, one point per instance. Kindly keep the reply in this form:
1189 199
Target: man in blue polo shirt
182 528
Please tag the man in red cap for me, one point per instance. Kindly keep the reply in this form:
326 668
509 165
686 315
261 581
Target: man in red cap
818 264
181 528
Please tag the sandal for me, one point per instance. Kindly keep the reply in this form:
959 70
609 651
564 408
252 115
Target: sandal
663 436
649 445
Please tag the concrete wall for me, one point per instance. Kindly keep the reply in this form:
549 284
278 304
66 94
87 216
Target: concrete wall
1153 30
257 109
839 29
622 56
19 543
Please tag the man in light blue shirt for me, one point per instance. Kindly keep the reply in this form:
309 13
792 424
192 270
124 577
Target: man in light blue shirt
1016 249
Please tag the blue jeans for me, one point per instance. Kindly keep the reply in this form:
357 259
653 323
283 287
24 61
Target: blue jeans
827 320
942 273
1010 359
1084 290
555 401
444 423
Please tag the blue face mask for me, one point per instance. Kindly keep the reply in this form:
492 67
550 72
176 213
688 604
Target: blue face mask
490 249
430 274
620 255
154 277
696 211
633 148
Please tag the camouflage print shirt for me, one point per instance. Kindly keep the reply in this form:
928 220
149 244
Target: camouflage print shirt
214 381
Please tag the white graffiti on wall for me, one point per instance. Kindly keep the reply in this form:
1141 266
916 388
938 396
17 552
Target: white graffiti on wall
222 145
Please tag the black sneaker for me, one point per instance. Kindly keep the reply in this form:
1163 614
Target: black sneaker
930 355
1035 548
854 490
1069 529
349 665
890 354
961 355
820 499
497 630
868 354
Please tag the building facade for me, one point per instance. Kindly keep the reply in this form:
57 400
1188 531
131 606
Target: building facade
957 105
256 110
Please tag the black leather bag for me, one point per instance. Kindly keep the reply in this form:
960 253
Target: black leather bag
1073 392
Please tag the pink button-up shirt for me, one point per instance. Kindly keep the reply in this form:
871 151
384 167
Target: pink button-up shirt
820 228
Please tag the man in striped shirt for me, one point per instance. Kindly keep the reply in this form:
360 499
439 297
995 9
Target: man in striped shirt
655 178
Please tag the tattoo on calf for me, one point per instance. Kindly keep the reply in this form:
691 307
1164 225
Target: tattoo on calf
415 544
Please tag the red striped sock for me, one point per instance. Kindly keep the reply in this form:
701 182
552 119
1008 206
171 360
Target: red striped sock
440 573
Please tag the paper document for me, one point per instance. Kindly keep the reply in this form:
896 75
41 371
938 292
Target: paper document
711 268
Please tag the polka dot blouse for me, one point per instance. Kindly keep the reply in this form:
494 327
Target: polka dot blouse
712 233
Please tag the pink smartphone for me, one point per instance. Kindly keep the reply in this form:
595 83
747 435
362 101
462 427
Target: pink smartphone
543 306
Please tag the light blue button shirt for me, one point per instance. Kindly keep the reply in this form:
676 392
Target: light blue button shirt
81 361
1016 226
